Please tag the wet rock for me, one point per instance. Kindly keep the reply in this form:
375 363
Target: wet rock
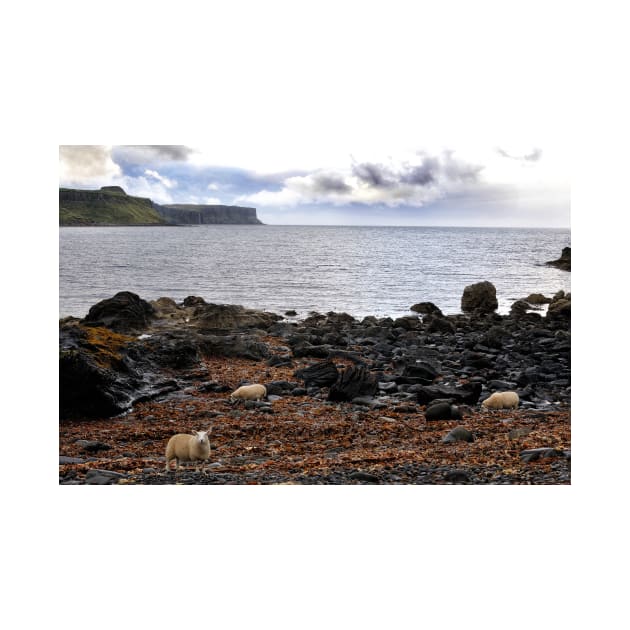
442 411
533 454
480 297
564 262
421 370
321 374
92 446
354 381
458 434
363 476
426 308
125 312
220 317
70 460
467 394
99 477
457 476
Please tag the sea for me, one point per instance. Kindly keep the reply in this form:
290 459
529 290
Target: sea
358 270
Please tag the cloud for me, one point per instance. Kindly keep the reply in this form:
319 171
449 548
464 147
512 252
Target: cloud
169 183
151 153
424 179
86 164
534 156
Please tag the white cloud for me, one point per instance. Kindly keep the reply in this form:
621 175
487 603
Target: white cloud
169 183
86 165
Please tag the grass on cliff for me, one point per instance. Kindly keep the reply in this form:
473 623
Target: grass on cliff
111 208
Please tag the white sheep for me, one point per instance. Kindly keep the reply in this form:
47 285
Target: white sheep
501 400
249 392
188 448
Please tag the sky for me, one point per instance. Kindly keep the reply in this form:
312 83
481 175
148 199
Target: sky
502 185
447 113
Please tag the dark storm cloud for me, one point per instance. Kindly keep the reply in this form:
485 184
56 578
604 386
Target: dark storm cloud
431 171
422 174
327 183
534 156
147 154
374 175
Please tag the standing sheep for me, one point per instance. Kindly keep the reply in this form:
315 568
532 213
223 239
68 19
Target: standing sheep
249 392
501 400
188 448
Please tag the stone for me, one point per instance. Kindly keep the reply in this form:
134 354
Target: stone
458 434
564 262
426 308
442 411
124 312
480 297
353 382
321 374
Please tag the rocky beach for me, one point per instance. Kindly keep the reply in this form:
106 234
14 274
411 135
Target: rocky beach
371 401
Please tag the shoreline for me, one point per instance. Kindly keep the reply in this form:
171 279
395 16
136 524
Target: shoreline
160 368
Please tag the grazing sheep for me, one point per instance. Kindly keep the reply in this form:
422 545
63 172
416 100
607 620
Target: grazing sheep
501 400
188 448
249 392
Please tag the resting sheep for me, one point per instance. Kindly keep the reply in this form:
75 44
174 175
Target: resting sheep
501 400
249 392
188 448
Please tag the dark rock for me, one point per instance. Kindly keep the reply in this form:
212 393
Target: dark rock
531 455
354 381
277 360
239 346
321 374
93 446
125 312
279 387
459 434
290 313
193 300
363 476
467 394
421 370
442 411
537 298
564 262
438 324
309 350
70 460
99 477
480 297
231 317
426 308
457 476
519 309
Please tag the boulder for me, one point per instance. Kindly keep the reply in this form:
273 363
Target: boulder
353 382
231 317
125 312
564 262
480 297
321 374
426 308
442 411
467 394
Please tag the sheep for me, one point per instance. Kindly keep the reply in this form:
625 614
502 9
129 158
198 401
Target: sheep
249 392
501 400
188 448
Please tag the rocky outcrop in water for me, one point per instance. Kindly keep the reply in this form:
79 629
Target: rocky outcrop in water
564 262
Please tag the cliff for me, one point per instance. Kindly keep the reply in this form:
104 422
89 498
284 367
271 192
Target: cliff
205 215
112 206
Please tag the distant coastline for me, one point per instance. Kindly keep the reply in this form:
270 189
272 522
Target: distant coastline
111 206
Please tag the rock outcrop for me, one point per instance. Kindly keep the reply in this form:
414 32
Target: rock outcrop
480 298
564 262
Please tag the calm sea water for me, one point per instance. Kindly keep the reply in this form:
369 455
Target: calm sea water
359 270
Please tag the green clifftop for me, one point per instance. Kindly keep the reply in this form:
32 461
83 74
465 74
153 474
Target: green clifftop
112 206
105 206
